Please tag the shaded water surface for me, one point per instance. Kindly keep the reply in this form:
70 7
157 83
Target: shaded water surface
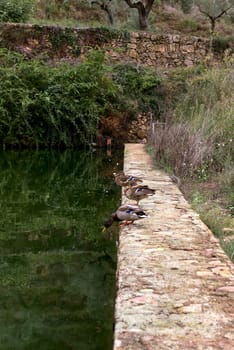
57 269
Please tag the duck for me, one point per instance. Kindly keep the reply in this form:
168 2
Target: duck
125 215
138 192
123 179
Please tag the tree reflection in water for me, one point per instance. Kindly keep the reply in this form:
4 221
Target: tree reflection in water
57 269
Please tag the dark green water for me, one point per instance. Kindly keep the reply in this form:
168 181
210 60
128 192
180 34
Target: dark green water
57 269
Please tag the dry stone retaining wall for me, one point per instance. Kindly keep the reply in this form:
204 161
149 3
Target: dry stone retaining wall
71 44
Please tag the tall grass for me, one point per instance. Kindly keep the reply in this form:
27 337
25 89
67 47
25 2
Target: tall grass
196 143
182 148
201 132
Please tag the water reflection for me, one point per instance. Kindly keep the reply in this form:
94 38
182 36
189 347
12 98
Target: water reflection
57 270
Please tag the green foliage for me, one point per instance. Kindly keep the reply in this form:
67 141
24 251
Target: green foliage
15 10
213 8
217 220
46 106
9 58
189 25
222 43
199 139
215 108
139 87
197 142
186 5
71 12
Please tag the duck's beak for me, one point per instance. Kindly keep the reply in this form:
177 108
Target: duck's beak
103 229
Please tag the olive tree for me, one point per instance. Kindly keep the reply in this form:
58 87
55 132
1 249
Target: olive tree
214 9
143 8
104 6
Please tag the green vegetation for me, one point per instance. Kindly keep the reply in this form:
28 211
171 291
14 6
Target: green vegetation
15 10
44 198
214 10
61 106
196 142
186 5
215 212
139 88
221 44
46 107
53 106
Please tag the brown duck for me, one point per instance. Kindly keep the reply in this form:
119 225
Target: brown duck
138 192
125 214
122 179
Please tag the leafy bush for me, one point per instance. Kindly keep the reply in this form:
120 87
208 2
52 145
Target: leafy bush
220 44
189 25
186 5
49 106
15 10
139 88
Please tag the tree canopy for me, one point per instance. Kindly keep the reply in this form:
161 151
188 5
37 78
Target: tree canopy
214 9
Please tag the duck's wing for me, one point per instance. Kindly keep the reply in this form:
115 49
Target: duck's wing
130 209
130 212
142 190
133 179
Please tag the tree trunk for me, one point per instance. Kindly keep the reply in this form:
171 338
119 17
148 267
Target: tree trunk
143 23
212 22
143 11
105 8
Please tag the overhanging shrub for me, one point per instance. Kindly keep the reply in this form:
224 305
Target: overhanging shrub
46 106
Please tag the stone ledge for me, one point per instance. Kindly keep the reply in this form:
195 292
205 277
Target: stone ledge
175 284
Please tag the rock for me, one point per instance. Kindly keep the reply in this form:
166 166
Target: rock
141 134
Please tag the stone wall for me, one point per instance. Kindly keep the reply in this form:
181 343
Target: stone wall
71 44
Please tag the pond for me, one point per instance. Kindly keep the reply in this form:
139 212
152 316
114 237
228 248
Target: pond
57 268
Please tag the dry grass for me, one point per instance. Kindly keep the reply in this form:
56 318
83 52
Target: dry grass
185 150
164 17
196 144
